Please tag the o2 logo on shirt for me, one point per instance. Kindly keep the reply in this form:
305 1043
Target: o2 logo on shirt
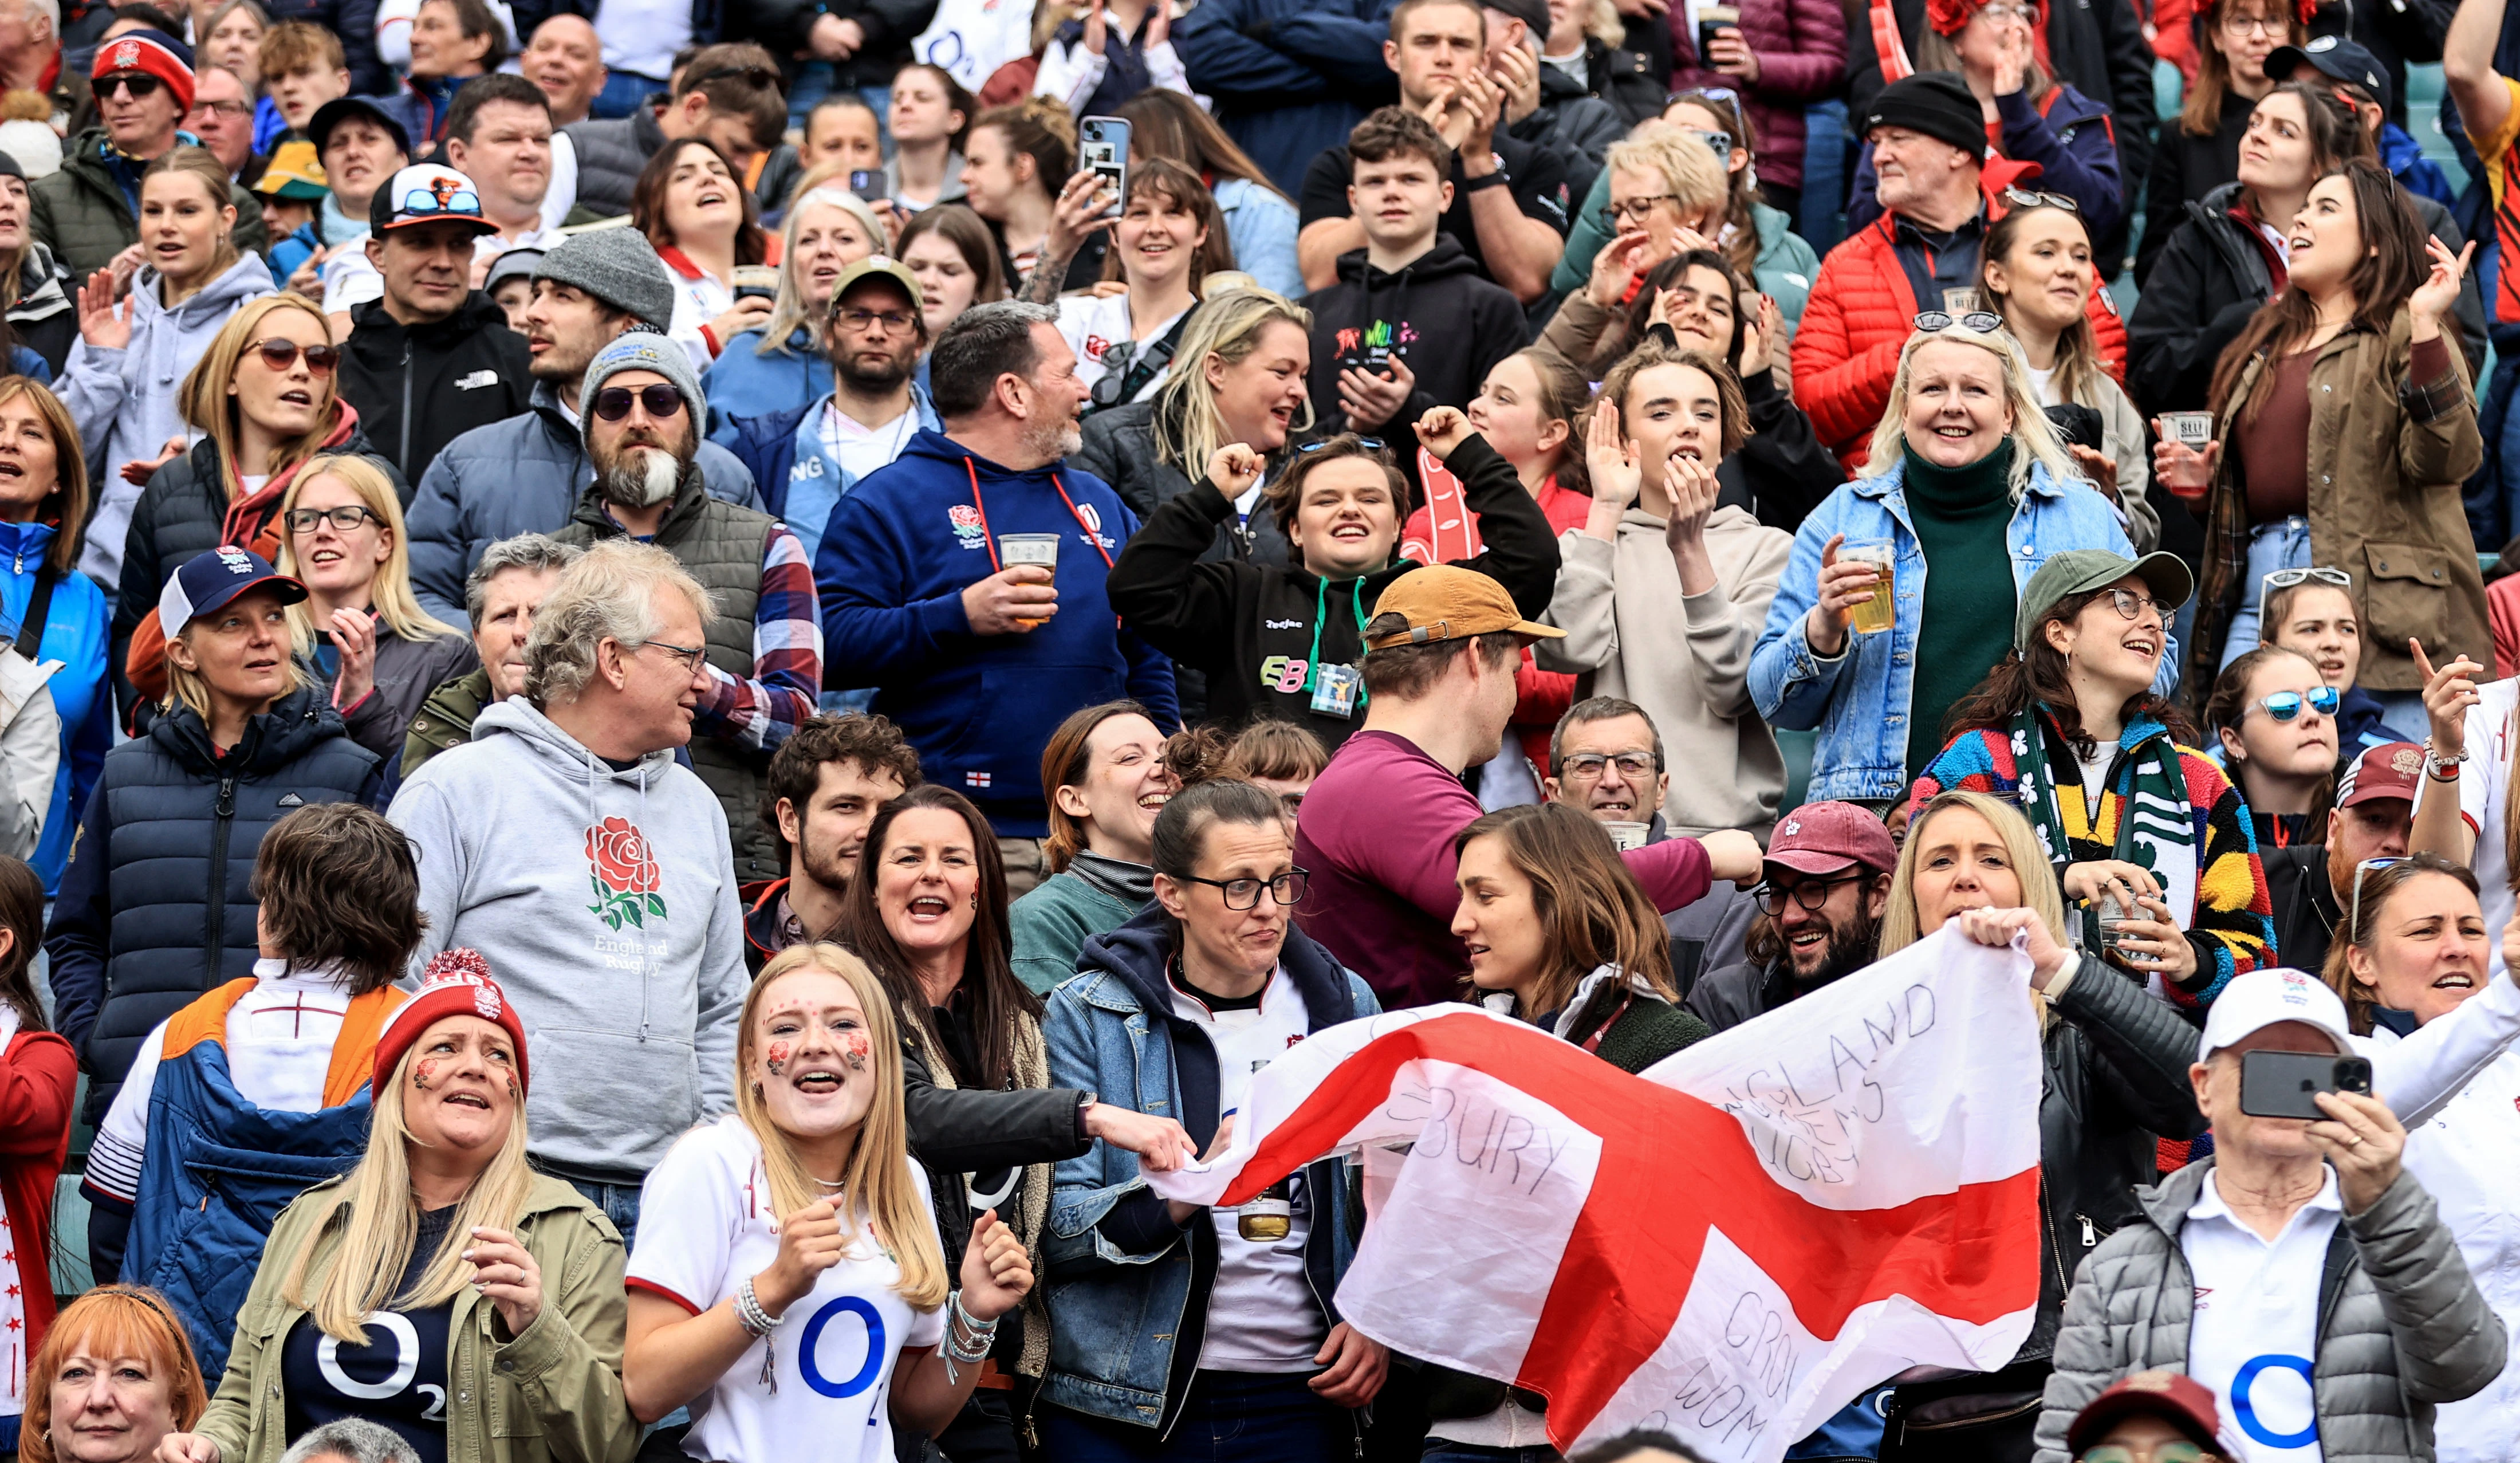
406 1336
809 1345
2244 1409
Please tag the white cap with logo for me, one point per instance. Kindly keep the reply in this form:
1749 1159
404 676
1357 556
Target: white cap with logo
2264 998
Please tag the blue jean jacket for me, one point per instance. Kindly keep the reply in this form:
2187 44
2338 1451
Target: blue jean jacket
1858 700
1117 1315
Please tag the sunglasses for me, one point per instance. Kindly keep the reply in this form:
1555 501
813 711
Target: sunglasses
2285 705
2353 920
2286 578
423 201
1369 443
2023 198
1982 322
280 355
2179 1450
662 400
137 84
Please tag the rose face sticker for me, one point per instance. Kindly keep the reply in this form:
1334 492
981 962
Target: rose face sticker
624 873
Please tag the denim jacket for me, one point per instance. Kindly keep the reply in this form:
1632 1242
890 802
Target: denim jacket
1128 1288
1859 700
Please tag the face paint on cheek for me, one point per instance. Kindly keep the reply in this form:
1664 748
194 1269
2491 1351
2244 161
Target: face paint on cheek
855 1049
424 1073
777 1055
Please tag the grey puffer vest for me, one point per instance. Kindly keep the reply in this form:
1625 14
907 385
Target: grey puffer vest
2402 1327
721 545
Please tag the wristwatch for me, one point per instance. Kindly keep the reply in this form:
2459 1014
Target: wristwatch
1084 1104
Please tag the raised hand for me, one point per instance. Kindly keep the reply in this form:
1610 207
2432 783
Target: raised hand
1610 461
2438 295
1232 469
809 1243
1843 586
505 1272
1442 430
355 635
2361 1138
995 1271
103 323
1693 491
1620 260
1098 27
2448 694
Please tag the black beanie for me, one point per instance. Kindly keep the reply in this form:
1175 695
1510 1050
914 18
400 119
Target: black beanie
9 168
1937 103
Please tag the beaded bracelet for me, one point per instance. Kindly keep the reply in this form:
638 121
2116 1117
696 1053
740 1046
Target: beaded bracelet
749 1313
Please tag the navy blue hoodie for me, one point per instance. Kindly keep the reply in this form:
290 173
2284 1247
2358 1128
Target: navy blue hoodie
894 562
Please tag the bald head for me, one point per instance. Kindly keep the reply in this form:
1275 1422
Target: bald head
567 60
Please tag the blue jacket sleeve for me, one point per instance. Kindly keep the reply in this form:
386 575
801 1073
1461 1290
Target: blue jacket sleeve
439 557
1790 683
871 626
2084 170
1223 59
1345 48
74 946
1264 243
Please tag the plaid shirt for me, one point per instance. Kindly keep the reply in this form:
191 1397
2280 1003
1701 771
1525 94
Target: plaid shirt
786 656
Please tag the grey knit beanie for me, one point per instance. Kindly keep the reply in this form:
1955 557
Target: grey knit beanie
640 348
617 266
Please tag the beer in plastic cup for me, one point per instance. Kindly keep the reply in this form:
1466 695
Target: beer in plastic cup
1028 548
1628 835
1871 616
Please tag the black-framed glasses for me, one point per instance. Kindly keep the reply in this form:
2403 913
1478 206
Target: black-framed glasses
689 655
138 83
280 354
1588 766
345 519
861 320
1288 889
229 109
2353 920
426 201
1810 893
1617 214
2132 606
660 399
2024 197
1982 322
2285 705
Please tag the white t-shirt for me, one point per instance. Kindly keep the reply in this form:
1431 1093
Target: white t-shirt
2482 785
348 279
643 35
1093 325
2042 385
1261 1314
862 449
2095 775
705 1226
2255 1335
280 1038
699 299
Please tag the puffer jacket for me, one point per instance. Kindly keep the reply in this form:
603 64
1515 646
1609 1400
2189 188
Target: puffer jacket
2387 457
610 152
125 401
1860 315
2187 171
80 215
1801 46
520 475
157 906
2402 1327
420 387
1626 80
550 1395
1574 124
185 511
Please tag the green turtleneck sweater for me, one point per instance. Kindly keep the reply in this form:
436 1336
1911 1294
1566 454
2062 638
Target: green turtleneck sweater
1961 516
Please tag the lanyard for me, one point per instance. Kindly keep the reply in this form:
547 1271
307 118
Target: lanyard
990 540
1320 612
1593 1043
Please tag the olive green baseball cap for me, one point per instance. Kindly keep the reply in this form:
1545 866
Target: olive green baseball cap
2081 570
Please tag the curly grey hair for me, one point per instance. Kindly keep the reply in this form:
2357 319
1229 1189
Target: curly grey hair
609 594
353 1439
538 552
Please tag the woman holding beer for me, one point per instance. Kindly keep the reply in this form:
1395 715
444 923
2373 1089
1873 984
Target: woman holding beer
1966 445
2068 728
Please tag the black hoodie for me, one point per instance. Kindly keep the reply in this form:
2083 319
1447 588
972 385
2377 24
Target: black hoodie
420 387
1438 313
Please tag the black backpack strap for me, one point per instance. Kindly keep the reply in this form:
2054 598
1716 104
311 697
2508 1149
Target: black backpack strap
39 605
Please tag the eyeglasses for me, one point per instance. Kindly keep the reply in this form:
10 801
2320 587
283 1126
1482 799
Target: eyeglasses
1810 893
2253 26
662 400
2177 1450
229 109
2132 606
280 355
2023 198
2353 920
1982 322
1714 93
1588 766
861 320
689 655
1369 443
137 84
424 201
345 519
1617 214
1288 889
2285 705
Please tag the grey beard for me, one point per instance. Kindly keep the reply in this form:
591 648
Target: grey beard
642 478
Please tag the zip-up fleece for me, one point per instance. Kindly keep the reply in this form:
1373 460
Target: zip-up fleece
420 387
1438 313
894 562
605 902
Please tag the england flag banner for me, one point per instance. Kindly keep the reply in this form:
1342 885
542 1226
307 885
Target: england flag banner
1729 1246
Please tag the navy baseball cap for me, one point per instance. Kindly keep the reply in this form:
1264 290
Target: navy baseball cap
210 578
319 126
2336 58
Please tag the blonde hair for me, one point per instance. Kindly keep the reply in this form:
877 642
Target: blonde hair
788 312
1602 24
381 1220
1686 166
2034 438
879 1166
1901 925
390 594
211 409
212 175
1228 327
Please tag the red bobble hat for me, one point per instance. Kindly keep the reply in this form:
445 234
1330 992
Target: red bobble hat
169 59
454 982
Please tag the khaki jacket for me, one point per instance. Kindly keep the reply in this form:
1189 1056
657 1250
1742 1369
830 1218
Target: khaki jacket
2387 457
552 1394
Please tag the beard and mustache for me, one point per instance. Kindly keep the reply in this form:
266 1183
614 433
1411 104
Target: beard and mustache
642 470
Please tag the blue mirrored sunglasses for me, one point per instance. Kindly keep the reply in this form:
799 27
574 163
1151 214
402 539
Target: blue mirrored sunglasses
2284 706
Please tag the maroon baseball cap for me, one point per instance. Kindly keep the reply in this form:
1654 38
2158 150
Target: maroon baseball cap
2175 1398
2392 769
1825 838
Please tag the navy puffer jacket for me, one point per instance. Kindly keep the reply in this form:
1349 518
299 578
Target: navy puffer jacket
154 907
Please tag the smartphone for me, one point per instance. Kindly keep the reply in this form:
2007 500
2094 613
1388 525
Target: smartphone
2284 1084
868 185
1102 149
1711 19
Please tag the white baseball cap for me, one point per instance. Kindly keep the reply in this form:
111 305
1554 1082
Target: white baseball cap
2264 998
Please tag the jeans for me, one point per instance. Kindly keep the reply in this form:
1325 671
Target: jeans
2284 544
619 1202
814 81
1444 1450
1230 1417
624 93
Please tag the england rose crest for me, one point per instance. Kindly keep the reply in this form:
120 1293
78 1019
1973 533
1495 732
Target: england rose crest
624 873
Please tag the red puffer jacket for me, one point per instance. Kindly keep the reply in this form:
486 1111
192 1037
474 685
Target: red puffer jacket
1801 46
1861 312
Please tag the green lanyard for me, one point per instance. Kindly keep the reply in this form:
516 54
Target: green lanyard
1320 612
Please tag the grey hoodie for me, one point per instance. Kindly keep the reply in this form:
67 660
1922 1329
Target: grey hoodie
605 902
